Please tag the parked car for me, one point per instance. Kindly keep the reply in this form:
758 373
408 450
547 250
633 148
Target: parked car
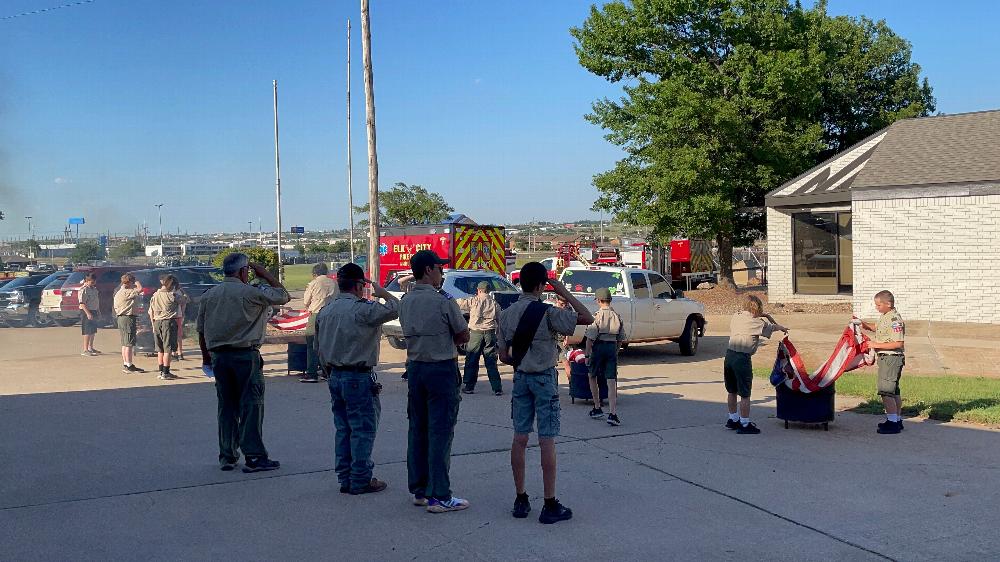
19 300
651 309
50 304
194 281
108 279
459 284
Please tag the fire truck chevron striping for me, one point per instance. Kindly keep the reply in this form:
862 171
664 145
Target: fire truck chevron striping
480 248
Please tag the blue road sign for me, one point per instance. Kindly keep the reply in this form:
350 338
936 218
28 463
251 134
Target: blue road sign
104 240
298 230
77 220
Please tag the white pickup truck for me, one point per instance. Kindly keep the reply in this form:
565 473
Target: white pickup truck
651 310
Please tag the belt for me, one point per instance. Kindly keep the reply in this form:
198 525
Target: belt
352 368
883 353
233 348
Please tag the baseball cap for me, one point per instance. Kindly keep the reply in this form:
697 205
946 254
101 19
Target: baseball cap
602 294
424 259
351 271
483 286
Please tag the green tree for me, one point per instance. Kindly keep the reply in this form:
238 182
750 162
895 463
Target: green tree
300 248
267 258
407 204
340 247
85 251
126 250
727 99
318 248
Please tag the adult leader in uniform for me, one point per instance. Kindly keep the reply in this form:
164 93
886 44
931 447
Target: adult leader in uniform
231 321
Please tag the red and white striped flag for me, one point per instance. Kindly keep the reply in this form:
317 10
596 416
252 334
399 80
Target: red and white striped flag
290 320
851 353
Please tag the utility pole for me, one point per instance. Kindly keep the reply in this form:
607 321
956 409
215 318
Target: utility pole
373 210
350 189
250 229
29 226
159 216
277 182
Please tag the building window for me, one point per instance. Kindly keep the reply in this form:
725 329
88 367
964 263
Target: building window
823 253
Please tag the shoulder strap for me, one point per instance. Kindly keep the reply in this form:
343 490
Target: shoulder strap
526 329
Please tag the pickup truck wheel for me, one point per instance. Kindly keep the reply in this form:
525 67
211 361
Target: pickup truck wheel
396 343
689 339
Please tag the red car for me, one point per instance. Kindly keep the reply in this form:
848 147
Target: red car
109 277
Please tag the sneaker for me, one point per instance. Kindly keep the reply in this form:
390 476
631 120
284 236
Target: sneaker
748 429
260 465
345 489
732 424
468 390
497 393
135 369
555 513
375 485
521 507
308 378
419 501
403 377
95 351
88 353
597 414
167 376
889 428
435 505
228 466
126 370
613 420
322 377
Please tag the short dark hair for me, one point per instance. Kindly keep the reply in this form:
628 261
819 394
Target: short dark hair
320 269
886 297
533 274
349 275
90 276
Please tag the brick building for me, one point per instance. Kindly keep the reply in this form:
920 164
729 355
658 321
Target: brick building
914 208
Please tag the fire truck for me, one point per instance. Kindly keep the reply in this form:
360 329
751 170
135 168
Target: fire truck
465 244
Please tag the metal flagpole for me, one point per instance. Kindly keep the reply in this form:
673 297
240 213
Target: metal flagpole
277 183
373 209
350 189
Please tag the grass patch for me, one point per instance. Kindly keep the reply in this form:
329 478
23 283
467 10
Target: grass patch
298 276
943 398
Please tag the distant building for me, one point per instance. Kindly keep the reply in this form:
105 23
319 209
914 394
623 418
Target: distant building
202 249
57 250
163 250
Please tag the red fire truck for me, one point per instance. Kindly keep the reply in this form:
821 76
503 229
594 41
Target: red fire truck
467 246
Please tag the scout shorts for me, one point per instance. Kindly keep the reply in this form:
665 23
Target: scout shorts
535 395
165 335
126 328
890 369
738 373
87 327
604 360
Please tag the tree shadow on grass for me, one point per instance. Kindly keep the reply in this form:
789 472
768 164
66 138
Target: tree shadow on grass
945 410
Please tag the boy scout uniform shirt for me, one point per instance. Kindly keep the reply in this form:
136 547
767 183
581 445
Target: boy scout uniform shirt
319 292
430 321
165 305
890 328
348 330
543 353
482 312
125 301
745 330
91 297
607 326
234 314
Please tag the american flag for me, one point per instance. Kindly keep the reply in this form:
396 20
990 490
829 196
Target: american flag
290 320
851 353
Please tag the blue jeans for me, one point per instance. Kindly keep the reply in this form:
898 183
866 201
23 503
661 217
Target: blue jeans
432 408
355 414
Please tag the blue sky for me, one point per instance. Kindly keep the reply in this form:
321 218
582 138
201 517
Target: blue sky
110 107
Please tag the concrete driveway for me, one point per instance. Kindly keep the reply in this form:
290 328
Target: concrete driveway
101 465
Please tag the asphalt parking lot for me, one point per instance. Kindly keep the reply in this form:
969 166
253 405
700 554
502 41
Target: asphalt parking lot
100 465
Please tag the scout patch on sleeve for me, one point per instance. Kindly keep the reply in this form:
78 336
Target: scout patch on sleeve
897 327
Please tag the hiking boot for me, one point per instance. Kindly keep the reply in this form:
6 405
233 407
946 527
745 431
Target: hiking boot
419 501
748 429
166 375
889 428
597 414
554 513
613 420
375 485
260 465
732 424
435 505
228 466
468 390
521 507
135 369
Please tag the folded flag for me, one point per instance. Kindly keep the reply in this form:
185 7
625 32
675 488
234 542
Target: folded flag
851 353
290 320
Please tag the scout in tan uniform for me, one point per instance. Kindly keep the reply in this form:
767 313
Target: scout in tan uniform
124 305
231 322
482 311
90 312
527 341
432 325
348 331
319 292
890 331
604 337
745 330
164 306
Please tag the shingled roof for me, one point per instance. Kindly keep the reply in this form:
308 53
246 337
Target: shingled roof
927 156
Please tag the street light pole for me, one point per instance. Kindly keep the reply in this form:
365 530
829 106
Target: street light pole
159 216
277 183
29 226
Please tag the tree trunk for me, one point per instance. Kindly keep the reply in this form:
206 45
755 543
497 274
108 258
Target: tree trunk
725 245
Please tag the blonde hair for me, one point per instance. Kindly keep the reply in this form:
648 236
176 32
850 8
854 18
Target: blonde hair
128 278
752 304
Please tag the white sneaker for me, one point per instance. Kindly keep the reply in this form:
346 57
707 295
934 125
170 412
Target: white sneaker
454 504
419 501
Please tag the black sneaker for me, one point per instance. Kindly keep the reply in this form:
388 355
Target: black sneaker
748 429
889 428
260 465
613 420
228 466
597 414
732 424
555 513
375 485
166 375
521 507
308 378
345 489
126 370
403 377
468 390
135 369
